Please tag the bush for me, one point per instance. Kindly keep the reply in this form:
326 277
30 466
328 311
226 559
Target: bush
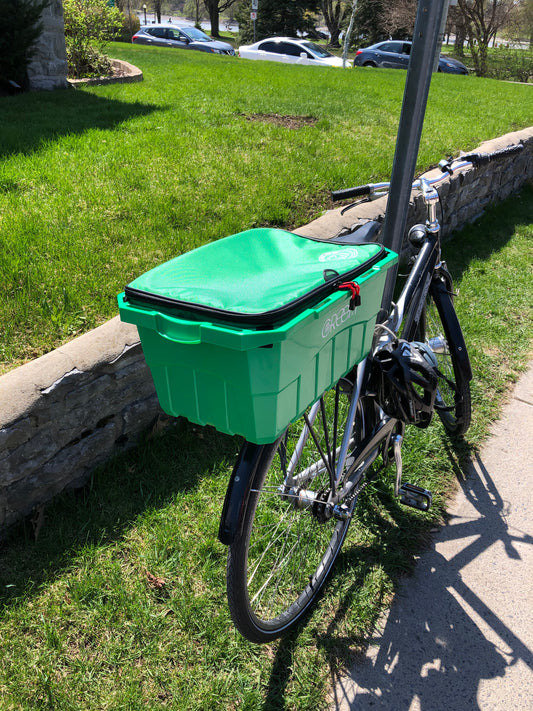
21 28
89 26
512 64
130 25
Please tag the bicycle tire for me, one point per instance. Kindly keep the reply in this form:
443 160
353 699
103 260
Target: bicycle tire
279 561
440 329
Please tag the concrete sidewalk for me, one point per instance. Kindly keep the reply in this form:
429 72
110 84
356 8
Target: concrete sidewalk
459 634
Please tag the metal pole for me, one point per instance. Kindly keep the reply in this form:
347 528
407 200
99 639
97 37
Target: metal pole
427 26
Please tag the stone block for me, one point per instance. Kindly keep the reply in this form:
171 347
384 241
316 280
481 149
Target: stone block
17 433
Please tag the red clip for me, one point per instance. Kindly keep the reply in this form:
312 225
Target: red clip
354 289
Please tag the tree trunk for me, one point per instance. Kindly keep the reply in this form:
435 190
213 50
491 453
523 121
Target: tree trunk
483 59
214 19
334 37
333 15
460 37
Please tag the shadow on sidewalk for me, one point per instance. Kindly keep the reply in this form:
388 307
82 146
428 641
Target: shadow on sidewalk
442 640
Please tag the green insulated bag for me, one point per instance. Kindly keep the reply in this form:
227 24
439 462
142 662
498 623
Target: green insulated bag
245 332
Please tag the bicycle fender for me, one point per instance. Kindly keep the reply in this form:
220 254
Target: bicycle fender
238 491
441 290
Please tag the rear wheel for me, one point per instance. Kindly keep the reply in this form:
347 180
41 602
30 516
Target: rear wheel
440 329
290 536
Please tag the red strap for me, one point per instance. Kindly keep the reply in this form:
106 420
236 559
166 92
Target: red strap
354 289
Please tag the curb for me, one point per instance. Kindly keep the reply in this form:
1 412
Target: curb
123 73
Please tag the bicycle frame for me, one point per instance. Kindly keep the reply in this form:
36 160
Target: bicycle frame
407 310
427 274
408 307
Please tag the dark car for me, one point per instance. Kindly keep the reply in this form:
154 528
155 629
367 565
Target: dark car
394 54
181 38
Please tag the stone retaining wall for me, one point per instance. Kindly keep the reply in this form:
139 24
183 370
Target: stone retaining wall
68 411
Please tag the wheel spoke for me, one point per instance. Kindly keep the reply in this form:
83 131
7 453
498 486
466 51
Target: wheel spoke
289 538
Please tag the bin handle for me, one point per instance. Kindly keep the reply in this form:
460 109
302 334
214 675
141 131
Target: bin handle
188 334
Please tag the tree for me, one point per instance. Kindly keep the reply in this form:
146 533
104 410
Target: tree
528 20
277 17
214 9
483 19
521 25
334 12
397 19
21 27
377 20
194 8
455 24
367 21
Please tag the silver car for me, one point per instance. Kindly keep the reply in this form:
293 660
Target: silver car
180 38
394 54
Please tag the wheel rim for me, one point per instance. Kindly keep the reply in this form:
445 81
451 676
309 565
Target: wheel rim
436 339
293 541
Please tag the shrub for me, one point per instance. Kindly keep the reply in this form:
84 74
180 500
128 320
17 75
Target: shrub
512 64
130 25
89 26
21 28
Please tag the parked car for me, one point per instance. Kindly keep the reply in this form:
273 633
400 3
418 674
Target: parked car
394 54
181 38
291 51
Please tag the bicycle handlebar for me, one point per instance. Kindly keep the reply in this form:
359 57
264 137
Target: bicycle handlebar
477 159
447 167
347 193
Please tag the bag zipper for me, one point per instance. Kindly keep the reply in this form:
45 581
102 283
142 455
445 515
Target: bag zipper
265 319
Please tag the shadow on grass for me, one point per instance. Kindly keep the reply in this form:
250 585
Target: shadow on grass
146 477
398 536
393 529
490 233
30 120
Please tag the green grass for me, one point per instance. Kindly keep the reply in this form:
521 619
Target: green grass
102 183
120 602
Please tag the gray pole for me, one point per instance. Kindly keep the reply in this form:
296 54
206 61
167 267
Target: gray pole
427 26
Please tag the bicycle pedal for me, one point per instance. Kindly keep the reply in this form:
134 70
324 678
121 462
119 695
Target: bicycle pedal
415 496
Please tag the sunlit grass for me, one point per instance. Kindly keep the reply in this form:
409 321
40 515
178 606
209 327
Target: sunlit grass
120 603
100 184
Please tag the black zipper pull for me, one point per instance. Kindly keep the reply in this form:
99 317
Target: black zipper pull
330 274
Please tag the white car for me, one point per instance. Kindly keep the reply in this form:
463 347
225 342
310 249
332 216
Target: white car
290 51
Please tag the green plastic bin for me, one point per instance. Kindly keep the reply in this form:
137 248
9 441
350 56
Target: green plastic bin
251 370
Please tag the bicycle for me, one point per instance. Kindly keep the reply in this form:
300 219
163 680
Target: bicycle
289 503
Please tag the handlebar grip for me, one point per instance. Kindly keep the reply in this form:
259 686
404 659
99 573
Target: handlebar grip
483 158
509 151
347 193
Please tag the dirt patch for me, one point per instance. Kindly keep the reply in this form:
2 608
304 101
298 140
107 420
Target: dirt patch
280 120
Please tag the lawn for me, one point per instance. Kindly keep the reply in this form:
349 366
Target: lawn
99 184
119 604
